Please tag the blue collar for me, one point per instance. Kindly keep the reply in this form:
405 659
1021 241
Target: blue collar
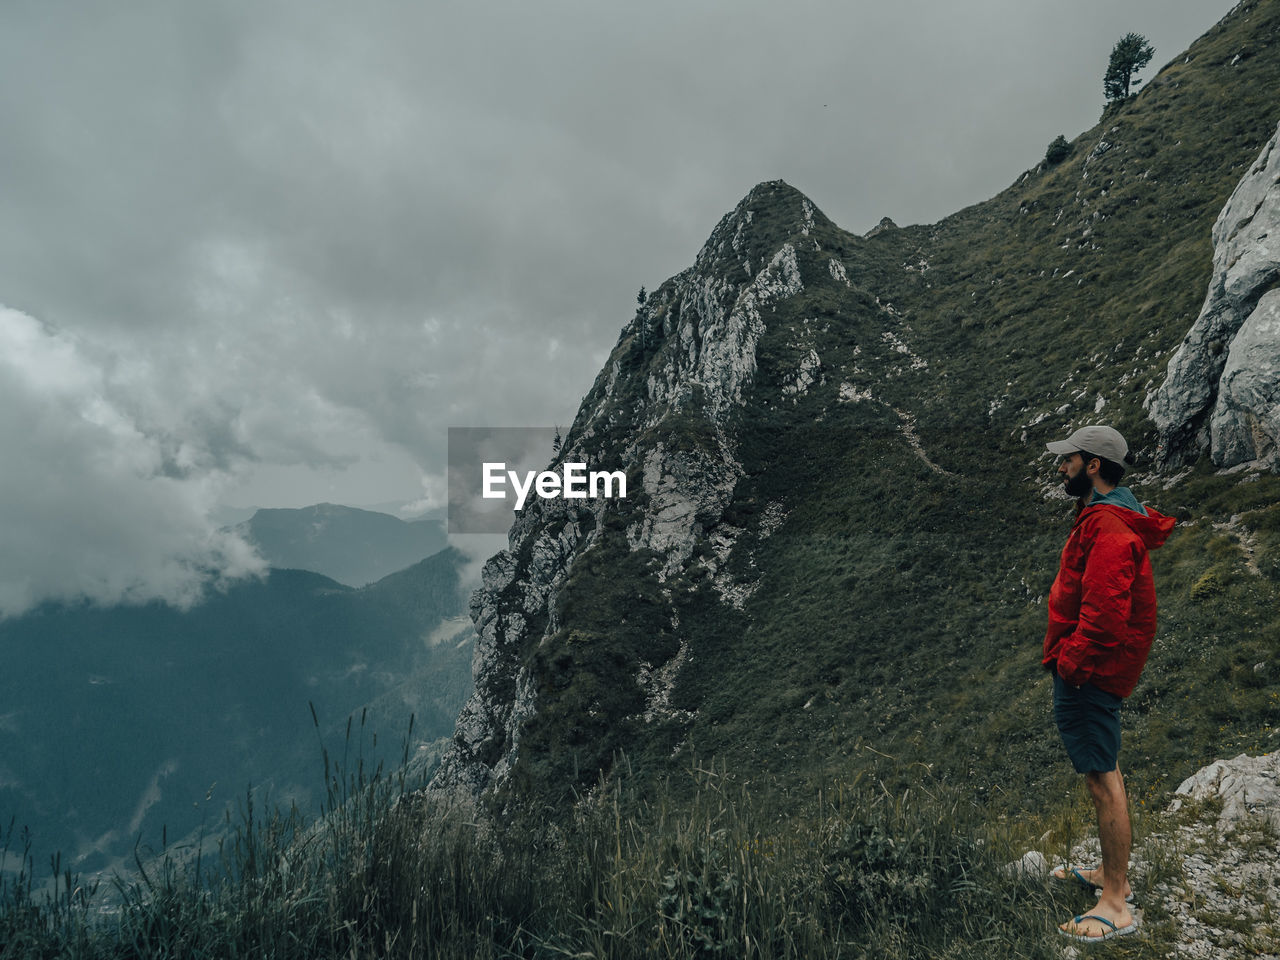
1120 497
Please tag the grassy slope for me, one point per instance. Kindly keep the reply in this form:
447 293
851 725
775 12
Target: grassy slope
904 606
900 606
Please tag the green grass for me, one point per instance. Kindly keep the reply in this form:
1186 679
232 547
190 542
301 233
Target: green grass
715 866
888 860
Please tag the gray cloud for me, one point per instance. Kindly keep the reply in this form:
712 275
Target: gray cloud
288 244
94 501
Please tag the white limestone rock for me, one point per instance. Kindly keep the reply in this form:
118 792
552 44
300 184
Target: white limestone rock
1222 390
1248 786
688 491
805 376
1032 864
1245 425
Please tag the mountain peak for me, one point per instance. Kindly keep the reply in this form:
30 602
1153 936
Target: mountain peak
772 213
886 223
773 190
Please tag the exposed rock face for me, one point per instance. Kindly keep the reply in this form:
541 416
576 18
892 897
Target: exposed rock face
1246 420
659 410
1222 390
1227 867
1248 786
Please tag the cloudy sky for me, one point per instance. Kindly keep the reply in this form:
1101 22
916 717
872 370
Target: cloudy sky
266 252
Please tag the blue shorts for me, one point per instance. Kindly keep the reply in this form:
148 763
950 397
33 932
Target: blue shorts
1089 722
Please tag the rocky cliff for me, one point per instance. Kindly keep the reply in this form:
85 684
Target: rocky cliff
664 411
1222 392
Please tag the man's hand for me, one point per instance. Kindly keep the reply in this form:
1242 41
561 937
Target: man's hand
1068 668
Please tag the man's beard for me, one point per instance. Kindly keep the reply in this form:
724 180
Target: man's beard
1079 485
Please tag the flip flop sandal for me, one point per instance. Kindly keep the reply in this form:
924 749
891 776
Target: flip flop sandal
1073 873
1108 935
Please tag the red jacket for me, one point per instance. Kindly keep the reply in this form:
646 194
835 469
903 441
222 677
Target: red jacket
1102 608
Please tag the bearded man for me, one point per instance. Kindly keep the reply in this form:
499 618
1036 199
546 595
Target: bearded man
1102 619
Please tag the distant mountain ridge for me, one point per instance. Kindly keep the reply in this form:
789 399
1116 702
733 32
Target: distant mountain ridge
126 723
347 544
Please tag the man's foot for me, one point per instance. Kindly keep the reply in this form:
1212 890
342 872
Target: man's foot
1093 927
1090 879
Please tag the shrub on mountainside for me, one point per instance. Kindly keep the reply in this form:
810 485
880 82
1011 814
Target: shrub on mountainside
1059 149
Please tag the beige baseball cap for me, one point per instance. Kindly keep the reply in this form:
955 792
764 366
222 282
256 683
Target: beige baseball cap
1100 441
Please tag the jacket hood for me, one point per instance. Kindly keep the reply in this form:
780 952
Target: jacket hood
1154 528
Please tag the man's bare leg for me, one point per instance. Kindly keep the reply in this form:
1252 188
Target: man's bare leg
1115 836
1096 876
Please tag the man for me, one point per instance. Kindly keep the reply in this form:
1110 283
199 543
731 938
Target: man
1102 619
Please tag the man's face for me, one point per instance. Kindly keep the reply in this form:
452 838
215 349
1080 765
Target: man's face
1075 475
